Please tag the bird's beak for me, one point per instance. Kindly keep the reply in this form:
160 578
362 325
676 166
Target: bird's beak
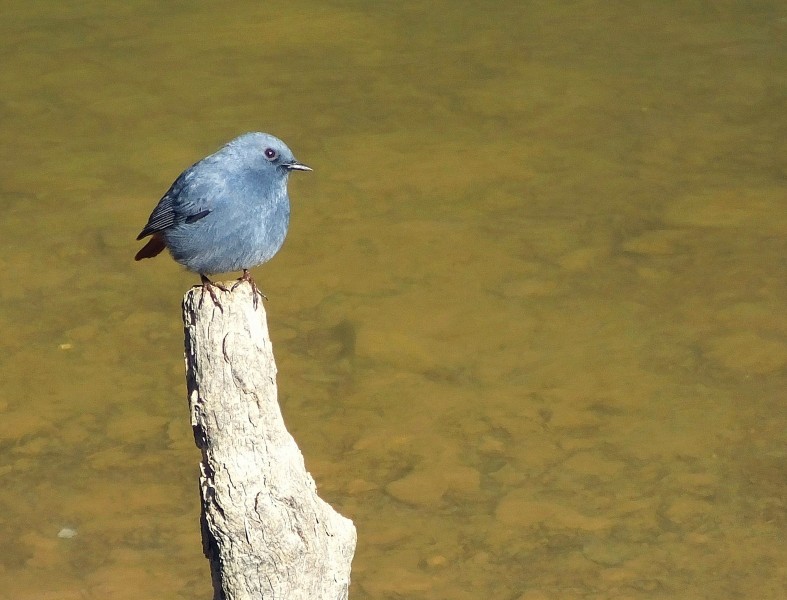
296 166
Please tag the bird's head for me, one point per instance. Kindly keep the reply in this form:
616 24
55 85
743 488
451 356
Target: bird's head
266 153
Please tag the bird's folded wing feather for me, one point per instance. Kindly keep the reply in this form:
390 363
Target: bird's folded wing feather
187 200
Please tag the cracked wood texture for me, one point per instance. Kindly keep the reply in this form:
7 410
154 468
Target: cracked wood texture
265 531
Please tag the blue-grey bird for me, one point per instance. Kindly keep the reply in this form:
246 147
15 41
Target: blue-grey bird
228 212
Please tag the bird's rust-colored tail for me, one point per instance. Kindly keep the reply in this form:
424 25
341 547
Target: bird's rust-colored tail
153 248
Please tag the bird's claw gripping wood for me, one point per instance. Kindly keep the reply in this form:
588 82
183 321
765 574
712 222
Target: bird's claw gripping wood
207 286
255 291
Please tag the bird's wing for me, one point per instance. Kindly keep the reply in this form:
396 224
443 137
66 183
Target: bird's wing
188 200
163 216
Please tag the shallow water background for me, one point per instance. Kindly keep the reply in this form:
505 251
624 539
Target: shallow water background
530 319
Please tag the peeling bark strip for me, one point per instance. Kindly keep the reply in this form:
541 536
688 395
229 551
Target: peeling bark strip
264 529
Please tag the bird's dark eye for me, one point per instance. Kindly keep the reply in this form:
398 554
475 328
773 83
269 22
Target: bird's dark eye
271 154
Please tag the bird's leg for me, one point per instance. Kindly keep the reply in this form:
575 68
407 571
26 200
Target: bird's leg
208 285
255 291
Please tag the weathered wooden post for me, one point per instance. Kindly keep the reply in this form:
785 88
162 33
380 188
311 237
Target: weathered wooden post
264 529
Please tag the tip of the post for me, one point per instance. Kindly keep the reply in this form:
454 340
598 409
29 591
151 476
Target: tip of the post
221 298
227 322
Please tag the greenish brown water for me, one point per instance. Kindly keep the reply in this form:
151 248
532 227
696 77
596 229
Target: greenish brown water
530 318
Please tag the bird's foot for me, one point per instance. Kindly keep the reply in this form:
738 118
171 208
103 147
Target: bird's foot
255 291
207 286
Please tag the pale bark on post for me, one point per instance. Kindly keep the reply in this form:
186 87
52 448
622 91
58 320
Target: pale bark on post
265 531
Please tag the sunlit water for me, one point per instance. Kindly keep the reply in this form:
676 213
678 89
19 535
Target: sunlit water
530 319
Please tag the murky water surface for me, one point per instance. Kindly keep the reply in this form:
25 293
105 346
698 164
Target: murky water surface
530 319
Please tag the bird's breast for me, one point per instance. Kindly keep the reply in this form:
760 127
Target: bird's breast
234 236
